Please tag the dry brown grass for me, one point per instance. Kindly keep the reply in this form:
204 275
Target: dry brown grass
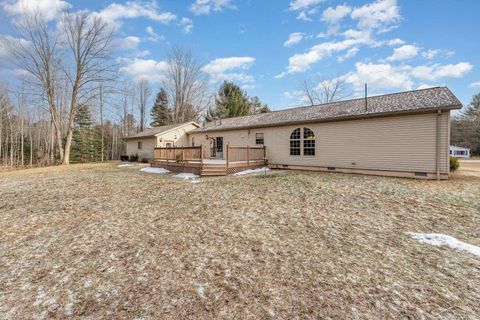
97 241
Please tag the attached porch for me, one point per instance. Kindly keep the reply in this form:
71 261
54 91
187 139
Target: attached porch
192 160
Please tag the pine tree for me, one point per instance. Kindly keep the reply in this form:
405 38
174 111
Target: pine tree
257 106
161 113
231 101
86 145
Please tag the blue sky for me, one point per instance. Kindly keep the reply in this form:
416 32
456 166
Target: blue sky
268 47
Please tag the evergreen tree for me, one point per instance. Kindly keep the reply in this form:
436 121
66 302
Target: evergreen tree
257 106
231 101
161 114
86 146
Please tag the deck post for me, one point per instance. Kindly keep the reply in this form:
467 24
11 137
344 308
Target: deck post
183 155
201 158
227 153
248 155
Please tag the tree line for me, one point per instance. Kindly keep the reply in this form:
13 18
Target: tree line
230 101
465 127
70 106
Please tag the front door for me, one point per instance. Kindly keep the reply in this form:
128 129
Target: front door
219 147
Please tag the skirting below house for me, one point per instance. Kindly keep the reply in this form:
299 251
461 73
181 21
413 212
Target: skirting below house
385 173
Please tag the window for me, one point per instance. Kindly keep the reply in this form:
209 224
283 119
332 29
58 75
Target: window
305 141
139 146
295 142
258 138
308 142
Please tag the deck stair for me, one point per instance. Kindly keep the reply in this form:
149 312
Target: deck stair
214 170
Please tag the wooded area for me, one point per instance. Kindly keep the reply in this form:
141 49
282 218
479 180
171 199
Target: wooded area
465 130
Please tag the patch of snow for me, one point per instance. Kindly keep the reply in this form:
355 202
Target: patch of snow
154 170
201 292
88 284
124 165
186 176
437 239
250 171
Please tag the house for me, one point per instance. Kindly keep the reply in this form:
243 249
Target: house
459 152
143 143
405 134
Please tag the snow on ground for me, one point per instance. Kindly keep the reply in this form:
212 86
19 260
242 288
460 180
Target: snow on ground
186 176
193 178
249 171
154 170
438 239
125 165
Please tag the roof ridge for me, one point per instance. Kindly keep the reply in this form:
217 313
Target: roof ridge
339 101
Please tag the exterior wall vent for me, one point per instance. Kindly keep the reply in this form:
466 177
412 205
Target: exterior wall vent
331 168
420 174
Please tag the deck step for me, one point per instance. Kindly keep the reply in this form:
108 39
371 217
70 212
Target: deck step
214 173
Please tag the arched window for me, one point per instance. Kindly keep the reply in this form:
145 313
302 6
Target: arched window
308 142
295 142
305 141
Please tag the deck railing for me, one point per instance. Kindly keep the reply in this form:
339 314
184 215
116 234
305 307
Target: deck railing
179 154
245 153
235 156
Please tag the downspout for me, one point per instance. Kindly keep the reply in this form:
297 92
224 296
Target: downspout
438 149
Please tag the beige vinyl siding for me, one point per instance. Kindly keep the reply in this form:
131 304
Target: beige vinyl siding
397 143
178 136
148 144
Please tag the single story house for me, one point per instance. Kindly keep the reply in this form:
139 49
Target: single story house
459 152
405 134
143 143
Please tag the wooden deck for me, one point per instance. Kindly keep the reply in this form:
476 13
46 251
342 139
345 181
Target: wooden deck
192 160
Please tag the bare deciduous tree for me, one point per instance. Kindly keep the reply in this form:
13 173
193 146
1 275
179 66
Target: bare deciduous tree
144 93
186 85
74 59
324 91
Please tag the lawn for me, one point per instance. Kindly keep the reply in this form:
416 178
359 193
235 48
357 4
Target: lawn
102 242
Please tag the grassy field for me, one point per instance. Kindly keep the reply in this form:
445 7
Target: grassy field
102 242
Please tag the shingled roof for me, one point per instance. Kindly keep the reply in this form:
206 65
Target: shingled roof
417 101
151 132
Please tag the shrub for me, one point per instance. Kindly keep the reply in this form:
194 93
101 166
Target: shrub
134 158
454 164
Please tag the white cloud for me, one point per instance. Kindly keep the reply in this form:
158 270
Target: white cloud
231 69
424 86
430 54
334 15
303 4
187 25
49 9
387 76
7 39
294 38
379 76
381 14
132 10
141 69
301 62
395 42
128 43
350 54
153 35
437 71
404 52
306 8
475 84
204 7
